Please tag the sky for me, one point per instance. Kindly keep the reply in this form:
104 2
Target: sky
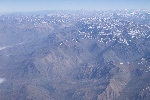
39 5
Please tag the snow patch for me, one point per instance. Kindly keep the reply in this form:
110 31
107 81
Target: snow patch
1 48
2 80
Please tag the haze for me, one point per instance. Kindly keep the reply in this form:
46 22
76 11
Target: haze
39 5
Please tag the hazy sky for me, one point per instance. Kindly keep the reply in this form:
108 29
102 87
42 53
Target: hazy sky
37 5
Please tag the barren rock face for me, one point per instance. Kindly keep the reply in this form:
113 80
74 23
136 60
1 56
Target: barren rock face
89 55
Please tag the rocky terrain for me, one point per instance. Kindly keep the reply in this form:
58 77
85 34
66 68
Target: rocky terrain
75 55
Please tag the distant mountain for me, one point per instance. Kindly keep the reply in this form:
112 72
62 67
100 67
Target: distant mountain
75 55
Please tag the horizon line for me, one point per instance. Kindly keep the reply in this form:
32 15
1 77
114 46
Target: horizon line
73 10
